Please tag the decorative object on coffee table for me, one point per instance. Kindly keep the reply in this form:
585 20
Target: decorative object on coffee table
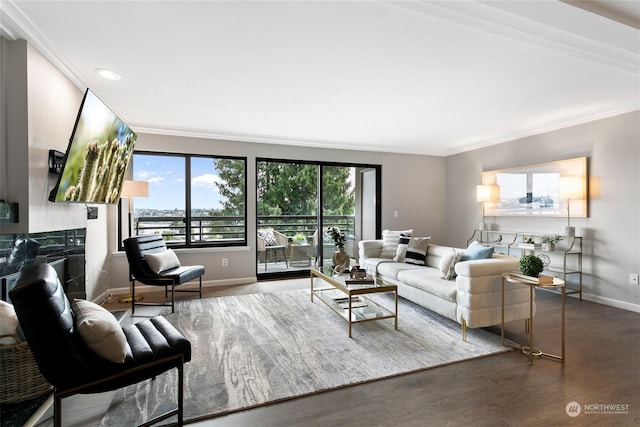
341 259
357 273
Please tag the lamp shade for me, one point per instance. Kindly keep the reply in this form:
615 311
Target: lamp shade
488 193
571 187
135 189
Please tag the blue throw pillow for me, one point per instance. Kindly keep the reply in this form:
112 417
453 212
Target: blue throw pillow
477 251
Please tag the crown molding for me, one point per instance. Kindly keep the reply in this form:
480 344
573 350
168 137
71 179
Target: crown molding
563 123
16 25
545 25
268 139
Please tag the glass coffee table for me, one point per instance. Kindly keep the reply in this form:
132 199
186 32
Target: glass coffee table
349 299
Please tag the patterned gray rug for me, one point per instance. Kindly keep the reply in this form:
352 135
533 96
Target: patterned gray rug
250 350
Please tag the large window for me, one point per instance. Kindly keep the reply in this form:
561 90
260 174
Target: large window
193 200
298 200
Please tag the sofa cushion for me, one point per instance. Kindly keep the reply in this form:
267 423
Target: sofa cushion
401 251
417 250
428 279
390 241
448 264
477 251
371 265
391 269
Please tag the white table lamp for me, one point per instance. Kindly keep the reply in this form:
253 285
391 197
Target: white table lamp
131 189
486 193
571 187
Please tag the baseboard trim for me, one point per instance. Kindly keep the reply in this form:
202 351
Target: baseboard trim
612 302
111 292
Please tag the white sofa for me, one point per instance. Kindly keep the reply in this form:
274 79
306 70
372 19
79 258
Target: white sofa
472 299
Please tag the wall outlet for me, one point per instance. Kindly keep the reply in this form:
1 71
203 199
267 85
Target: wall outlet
225 262
633 278
92 212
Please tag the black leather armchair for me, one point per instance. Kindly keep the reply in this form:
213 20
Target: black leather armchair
48 323
136 248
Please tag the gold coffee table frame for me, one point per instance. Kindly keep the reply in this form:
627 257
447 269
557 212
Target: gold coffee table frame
370 312
530 350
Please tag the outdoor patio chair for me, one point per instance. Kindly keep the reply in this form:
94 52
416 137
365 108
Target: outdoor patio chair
270 242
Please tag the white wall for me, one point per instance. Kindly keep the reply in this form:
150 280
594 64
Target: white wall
408 186
612 230
53 106
14 174
41 106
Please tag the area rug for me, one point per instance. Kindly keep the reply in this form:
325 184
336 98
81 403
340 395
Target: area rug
250 350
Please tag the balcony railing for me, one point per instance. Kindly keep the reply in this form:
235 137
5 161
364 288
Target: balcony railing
306 225
232 228
224 229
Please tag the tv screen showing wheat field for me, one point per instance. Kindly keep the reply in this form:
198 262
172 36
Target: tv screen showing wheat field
98 156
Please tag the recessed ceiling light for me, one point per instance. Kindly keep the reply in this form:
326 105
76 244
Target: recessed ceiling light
108 74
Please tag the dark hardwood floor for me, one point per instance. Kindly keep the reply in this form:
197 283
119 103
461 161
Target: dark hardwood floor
602 368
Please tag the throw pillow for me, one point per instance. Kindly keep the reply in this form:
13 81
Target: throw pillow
401 251
477 251
161 261
448 264
390 241
8 322
100 330
268 237
417 251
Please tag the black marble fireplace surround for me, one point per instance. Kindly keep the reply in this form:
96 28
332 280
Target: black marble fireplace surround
63 249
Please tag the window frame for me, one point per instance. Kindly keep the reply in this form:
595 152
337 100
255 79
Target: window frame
320 221
187 244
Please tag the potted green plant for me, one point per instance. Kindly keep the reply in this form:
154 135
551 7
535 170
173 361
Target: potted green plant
341 259
337 236
549 241
299 239
531 265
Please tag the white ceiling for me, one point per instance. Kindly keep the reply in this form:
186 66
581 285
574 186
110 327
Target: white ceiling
426 77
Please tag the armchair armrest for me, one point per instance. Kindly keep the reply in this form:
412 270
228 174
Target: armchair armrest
369 248
281 239
487 267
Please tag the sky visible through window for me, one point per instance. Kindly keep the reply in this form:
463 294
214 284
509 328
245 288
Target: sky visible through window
166 177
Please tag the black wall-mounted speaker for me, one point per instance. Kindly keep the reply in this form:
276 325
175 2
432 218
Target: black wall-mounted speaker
56 161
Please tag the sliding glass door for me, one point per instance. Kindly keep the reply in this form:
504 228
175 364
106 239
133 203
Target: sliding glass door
298 201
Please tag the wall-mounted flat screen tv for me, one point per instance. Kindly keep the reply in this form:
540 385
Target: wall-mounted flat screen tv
98 155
